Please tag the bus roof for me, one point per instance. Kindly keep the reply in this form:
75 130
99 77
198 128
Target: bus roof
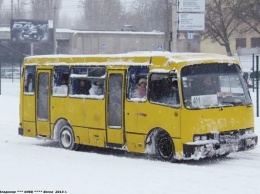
155 59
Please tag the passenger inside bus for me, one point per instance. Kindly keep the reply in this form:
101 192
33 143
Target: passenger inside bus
203 85
168 92
96 88
140 90
207 86
64 80
82 88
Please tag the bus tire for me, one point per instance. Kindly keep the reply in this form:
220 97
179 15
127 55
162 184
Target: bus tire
66 138
164 147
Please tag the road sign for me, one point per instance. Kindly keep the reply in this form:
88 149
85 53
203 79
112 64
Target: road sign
191 21
191 5
190 35
181 36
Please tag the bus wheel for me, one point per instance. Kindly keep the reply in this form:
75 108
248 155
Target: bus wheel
164 147
66 138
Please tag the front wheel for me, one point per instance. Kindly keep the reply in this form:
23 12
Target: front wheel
66 138
164 147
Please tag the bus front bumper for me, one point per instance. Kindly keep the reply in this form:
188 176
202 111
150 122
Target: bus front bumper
209 148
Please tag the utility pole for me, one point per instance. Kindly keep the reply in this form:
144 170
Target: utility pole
12 9
18 9
54 27
166 27
175 24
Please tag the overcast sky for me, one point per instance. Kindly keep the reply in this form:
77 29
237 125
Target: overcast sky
69 8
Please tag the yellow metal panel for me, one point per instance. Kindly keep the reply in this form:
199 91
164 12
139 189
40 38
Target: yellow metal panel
215 120
142 117
81 135
95 114
43 128
79 111
115 136
29 129
59 108
28 107
135 143
97 138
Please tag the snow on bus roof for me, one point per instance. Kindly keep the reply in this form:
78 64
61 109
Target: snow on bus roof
125 58
129 54
189 57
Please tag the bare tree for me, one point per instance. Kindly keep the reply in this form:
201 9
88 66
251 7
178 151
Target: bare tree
14 10
148 15
101 14
1 11
1 3
220 23
247 11
45 9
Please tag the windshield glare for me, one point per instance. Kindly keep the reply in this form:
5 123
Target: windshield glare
214 85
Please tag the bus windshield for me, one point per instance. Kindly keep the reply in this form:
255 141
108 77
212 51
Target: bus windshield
214 85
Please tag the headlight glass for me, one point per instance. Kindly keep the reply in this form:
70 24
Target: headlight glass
203 137
196 138
249 131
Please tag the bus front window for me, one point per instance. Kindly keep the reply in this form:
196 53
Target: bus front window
213 85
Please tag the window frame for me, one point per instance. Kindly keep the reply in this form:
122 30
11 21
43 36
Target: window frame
59 88
27 72
76 77
132 82
172 77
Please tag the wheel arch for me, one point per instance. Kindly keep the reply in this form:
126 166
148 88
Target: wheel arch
150 141
57 126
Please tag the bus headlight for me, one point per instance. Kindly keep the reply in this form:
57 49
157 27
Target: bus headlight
196 138
200 138
249 131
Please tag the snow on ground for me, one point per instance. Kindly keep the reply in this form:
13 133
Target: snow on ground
28 164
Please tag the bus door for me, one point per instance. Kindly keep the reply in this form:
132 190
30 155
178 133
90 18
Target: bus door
43 103
115 107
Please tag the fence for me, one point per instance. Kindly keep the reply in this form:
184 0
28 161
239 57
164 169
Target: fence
11 71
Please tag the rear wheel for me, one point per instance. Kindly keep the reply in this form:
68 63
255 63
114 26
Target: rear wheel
66 138
164 147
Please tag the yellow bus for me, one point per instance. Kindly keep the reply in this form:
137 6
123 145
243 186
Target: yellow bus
174 106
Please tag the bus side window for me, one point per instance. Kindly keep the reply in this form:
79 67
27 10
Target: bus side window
136 77
88 81
96 76
163 89
29 79
60 81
